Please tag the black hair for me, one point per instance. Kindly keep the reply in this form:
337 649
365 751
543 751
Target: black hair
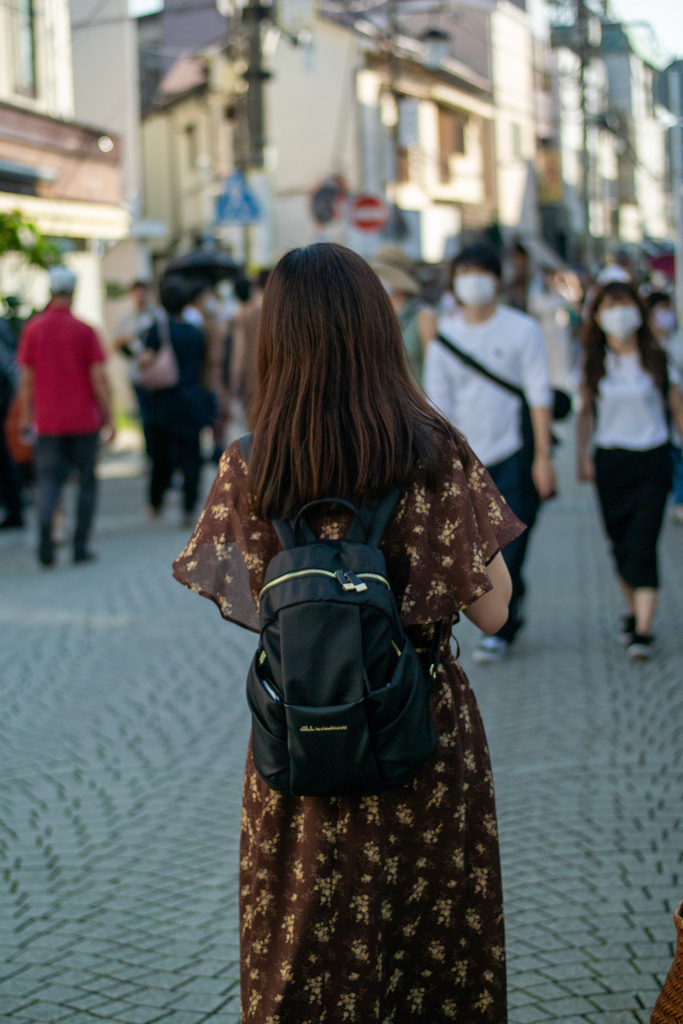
481 256
654 298
140 284
263 277
242 288
174 293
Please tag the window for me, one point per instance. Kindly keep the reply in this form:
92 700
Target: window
517 141
25 70
451 140
192 151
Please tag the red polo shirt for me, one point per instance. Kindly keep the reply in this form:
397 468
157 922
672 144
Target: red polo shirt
60 350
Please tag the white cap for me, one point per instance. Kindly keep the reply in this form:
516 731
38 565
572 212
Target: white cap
612 273
62 280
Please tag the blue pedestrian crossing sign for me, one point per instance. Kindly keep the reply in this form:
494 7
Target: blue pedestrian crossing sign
237 203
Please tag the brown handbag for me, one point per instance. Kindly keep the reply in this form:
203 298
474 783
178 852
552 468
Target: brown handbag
669 1007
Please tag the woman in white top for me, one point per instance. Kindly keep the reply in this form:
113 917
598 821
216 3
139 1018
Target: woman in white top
628 396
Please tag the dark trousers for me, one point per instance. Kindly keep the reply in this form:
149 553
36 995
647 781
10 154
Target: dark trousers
10 488
633 488
56 458
168 452
513 480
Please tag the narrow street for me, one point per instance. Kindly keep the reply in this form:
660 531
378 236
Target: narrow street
123 729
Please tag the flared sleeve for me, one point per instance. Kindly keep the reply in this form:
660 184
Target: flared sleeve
444 540
227 555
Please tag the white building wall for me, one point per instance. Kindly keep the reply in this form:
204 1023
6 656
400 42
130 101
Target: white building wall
54 81
512 65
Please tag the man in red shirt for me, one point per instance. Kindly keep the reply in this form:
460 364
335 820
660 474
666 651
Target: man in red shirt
65 393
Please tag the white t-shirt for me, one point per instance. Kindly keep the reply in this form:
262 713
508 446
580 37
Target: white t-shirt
511 345
630 411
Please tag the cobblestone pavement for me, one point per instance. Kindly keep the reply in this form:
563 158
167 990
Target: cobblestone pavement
122 737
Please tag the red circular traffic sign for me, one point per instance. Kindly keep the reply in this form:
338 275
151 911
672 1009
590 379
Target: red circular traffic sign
369 213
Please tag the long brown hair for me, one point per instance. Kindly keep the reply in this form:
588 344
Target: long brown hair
652 358
336 412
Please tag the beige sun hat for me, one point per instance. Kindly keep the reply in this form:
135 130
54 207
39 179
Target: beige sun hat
398 279
392 256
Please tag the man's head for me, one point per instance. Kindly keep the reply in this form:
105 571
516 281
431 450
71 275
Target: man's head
174 294
476 274
62 285
140 293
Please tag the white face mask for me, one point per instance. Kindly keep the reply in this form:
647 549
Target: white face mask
620 321
474 289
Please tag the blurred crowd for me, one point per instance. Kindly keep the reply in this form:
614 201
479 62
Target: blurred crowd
505 344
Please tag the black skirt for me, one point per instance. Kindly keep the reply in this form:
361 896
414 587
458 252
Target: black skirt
633 487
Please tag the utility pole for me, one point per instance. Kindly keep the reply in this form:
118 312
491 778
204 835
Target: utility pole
675 89
582 25
252 17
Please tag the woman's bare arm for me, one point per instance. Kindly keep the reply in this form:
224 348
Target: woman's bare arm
490 612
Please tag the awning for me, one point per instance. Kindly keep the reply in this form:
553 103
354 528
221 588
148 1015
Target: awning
65 218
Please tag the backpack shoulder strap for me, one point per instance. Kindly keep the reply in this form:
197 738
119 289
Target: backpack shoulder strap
381 516
483 371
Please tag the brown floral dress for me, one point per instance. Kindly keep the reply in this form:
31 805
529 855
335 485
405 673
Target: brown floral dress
380 908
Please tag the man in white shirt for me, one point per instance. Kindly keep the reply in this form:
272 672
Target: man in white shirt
510 345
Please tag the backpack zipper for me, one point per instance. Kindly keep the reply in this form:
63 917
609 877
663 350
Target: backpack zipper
338 575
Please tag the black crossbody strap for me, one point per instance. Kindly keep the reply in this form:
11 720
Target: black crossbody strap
472 363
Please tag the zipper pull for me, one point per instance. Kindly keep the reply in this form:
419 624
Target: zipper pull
346 583
356 582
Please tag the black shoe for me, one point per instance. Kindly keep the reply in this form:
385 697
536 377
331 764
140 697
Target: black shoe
628 628
46 548
640 647
84 556
12 523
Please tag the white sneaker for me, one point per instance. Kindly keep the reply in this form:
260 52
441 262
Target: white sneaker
491 648
677 514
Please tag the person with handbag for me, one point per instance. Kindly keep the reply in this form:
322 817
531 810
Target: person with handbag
381 901
630 399
487 373
64 395
177 406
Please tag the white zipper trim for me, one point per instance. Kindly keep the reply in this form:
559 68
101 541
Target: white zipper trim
295 575
323 572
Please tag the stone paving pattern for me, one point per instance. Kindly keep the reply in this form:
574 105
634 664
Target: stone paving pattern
123 729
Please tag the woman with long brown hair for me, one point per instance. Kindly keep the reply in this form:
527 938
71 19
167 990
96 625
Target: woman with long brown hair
376 907
629 394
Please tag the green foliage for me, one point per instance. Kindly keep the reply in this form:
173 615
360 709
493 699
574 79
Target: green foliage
18 235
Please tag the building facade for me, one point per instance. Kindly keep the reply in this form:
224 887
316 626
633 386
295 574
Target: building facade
62 175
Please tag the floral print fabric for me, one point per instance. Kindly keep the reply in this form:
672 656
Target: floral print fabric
383 908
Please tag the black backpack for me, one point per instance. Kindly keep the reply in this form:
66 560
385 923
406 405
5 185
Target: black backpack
338 698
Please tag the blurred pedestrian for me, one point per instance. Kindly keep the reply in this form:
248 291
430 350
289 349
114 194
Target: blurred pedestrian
332 888
553 313
517 279
10 486
489 376
418 322
663 324
176 414
65 394
129 340
628 392
243 371
205 311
